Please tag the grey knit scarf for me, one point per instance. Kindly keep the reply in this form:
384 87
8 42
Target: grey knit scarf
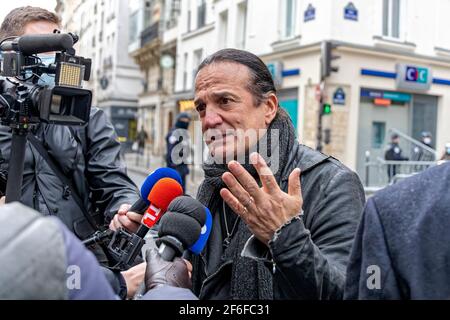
250 279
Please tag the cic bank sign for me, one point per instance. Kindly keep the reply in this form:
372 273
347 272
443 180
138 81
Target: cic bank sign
413 77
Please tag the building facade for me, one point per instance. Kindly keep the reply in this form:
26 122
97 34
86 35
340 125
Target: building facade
102 26
393 67
152 44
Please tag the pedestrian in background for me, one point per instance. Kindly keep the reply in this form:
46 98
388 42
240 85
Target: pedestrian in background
178 146
393 153
419 153
141 139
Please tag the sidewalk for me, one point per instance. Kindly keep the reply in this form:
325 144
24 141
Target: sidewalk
144 165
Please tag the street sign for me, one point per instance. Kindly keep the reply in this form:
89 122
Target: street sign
339 97
310 13
350 12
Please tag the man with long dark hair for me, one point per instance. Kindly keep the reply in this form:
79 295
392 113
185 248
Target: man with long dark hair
284 215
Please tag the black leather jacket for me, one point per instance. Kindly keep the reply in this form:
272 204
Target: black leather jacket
310 253
90 157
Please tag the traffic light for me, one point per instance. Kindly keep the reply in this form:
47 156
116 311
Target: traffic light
326 58
326 108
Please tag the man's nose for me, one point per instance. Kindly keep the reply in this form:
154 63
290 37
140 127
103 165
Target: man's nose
212 119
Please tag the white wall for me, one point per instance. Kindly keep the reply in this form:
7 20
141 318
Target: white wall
188 42
123 75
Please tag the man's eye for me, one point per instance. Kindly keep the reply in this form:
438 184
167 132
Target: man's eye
200 108
225 101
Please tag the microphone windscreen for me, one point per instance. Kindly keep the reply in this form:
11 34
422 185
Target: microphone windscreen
37 43
182 227
156 175
163 192
200 244
189 206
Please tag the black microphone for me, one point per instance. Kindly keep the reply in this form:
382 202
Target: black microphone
38 43
180 227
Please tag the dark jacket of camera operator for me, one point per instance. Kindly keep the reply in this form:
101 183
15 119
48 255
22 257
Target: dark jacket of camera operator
89 157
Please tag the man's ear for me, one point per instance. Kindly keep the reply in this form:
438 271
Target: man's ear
271 108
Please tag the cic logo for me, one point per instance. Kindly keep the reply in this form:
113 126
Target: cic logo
415 74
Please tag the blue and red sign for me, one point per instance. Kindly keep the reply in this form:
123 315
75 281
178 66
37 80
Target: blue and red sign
415 74
411 77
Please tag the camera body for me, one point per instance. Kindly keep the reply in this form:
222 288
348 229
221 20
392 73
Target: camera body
26 99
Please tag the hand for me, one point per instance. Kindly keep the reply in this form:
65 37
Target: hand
160 272
2 200
124 219
133 278
264 209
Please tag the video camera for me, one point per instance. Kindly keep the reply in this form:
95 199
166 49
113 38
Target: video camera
27 100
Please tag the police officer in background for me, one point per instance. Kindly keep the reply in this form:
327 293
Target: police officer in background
394 153
419 153
177 144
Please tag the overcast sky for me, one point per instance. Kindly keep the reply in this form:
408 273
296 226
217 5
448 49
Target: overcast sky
7 5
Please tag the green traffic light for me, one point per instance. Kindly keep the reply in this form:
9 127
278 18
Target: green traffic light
326 108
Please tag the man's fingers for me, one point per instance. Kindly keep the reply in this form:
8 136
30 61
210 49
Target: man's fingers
236 189
294 184
232 202
115 224
265 174
124 208
245 179
135 217
188 265
112 226
127 223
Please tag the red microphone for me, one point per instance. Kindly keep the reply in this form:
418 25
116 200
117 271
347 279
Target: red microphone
162 193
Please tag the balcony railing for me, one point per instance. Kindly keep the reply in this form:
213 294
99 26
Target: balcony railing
149 34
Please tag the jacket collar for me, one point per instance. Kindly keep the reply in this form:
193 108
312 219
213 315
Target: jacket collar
302 157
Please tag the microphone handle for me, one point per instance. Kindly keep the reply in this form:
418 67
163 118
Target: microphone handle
142 231
140 206
167 252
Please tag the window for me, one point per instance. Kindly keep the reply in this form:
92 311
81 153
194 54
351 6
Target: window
201 14
391 18
289 18
133 27
241 25
378 134
223 29
197 59
189 16
185 71
170 14
147 14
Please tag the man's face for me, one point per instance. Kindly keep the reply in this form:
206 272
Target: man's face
226 107
39 27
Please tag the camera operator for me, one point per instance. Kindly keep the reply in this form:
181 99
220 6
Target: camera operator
88 156
54 264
